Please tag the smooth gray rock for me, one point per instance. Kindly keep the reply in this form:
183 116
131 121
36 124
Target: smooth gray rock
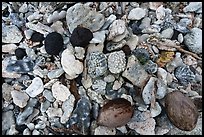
193 40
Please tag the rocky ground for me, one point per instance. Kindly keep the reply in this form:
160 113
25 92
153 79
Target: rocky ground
101 68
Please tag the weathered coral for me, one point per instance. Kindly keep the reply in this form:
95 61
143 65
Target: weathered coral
142 55
165 57
97 64
184 74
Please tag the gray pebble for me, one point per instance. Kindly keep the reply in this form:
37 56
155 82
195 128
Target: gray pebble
48 95
44 106
193 40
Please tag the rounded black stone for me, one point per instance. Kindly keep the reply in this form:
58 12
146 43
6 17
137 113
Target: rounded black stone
20 53
37 37
81 37
53 43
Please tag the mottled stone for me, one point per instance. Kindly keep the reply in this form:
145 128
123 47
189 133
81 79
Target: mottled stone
135 73
60 92
116 62
79 14
193 40
97 64
11 34
136 14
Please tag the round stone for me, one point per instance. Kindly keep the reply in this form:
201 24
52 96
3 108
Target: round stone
81 37
20 53
37 37
116 62
53 43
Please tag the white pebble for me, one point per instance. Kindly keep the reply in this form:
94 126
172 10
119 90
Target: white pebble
56 16
35 88
136 14
60 92
19 98
68 61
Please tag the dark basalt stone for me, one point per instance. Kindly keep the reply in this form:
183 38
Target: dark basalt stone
20 53
53 43
81 36
37 37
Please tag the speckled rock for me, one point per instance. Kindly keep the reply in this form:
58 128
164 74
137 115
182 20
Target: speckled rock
193 40
54 112
19 98
184 74
148 92
167 33
142 123
79 14
67 107
135 72
81 116
35 88
68 61
96 64
60 92
11 34
116 62
136 14
116 28
9 48
6 91
99 86
102 130
192 7
7 120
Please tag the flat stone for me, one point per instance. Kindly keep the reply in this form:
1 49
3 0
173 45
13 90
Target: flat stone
98 37
135 73
35 88
11 34
148 91
7 120
79 14
6 91
136 14
145 127
9 48
48 95
19 98
192 6
44 106
67 107
167 33
55 73
54 112
60 92
132 42
102 130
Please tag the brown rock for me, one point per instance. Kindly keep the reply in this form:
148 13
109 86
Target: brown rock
115 113
181 111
